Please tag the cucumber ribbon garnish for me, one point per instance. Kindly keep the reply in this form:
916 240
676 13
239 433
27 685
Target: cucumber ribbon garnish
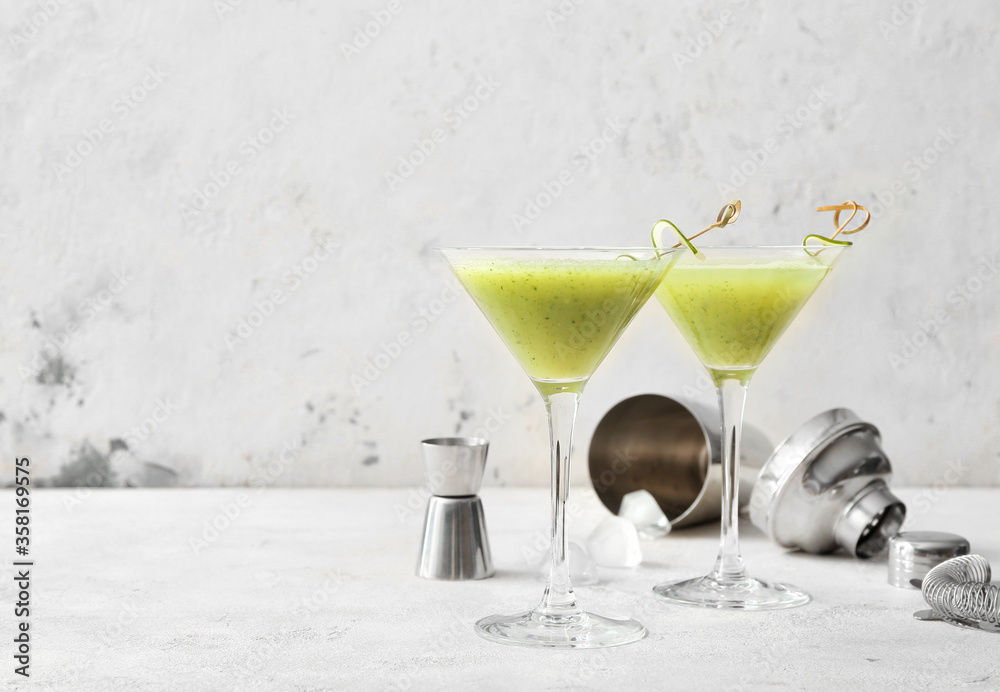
727 215
849 205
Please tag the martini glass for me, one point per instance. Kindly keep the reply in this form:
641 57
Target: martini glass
559 311
732 305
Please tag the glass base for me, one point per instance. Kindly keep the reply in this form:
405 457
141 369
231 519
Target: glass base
581 631
747 594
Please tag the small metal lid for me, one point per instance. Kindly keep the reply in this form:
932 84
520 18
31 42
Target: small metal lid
913 554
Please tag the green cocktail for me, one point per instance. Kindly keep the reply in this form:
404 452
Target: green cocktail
732 310
732 305
559 311
559 317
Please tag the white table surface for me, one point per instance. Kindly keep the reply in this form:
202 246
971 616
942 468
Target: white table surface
315 590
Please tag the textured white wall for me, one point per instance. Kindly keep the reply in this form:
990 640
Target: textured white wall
169 168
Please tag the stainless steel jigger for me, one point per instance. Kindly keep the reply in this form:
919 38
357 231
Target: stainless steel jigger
455 545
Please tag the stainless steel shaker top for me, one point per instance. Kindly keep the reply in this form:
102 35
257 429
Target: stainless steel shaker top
826 486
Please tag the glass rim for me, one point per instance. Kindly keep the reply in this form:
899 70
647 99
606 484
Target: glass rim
574 248
774 247
577 248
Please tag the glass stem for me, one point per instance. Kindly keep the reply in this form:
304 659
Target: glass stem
559 603
729 565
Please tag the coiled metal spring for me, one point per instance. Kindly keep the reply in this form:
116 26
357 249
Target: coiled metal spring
960 588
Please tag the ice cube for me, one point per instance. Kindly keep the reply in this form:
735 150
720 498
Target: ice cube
641 508
582 570
615 543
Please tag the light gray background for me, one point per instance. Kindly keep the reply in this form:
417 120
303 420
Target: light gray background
122 340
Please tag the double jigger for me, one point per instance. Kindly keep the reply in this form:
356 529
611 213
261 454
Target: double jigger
455 545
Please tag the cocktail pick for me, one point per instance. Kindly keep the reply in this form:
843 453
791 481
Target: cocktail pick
727 215
853 207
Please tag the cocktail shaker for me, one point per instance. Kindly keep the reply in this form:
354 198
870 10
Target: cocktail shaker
826 487
673 449
455 545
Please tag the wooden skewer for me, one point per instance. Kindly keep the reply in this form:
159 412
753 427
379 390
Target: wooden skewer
842 227
727 215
